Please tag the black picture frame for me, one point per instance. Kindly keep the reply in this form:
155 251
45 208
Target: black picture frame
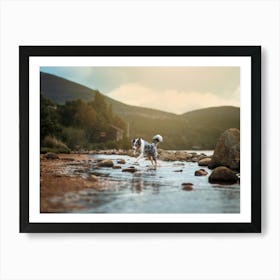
254 52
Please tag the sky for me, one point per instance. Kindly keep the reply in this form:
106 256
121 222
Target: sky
172 89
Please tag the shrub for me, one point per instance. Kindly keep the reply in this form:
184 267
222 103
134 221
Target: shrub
74 137
51 144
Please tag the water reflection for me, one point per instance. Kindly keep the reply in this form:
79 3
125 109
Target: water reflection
159 191
136 185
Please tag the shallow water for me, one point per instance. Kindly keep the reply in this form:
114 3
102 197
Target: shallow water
158 191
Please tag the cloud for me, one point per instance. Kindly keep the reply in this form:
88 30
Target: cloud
171 100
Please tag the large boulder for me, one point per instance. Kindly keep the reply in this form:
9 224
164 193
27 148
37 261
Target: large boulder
227 150
223 175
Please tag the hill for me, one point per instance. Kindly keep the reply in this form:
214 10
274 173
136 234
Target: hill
200 128
60 90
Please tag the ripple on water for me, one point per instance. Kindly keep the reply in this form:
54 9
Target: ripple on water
158 191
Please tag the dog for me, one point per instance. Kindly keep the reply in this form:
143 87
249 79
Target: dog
146 149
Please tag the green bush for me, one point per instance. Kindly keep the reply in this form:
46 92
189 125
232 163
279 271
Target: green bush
44 150
51 144
75 138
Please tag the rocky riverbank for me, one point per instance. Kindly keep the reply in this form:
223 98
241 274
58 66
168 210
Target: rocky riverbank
63 175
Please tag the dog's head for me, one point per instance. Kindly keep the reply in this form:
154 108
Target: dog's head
136 144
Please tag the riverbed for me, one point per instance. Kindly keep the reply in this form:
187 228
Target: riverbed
157 190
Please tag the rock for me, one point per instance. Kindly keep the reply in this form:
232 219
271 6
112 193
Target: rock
223 175
121 161
167 155
51 155
227 150
80 170
130 153
188 156
173 155
180 170
117 167
194 159
68 159
93 178
203 156
204 161
182 155
105 163
178 164
130 169
187 186
200 172
100 159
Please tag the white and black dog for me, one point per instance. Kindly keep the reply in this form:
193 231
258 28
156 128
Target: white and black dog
146 149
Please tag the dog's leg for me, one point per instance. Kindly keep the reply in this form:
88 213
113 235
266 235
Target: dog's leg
155 160
151 159
141 156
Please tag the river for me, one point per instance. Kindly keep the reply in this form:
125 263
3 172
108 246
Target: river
158 191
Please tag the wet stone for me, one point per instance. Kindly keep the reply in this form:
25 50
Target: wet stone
187 186
93 178
105 163
51 155
200 172
117 167
129 169
121 161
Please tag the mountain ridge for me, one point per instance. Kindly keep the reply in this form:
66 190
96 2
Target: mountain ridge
200 128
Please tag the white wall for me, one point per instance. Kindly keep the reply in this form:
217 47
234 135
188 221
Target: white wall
138 256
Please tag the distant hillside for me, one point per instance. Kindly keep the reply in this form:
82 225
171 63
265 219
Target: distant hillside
200 128
60 90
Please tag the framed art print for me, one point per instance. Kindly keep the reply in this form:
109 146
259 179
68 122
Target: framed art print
140 138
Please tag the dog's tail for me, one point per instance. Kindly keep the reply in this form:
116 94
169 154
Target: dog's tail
157 138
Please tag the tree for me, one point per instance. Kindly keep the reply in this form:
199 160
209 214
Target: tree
49 124
99 103
68 111
86 118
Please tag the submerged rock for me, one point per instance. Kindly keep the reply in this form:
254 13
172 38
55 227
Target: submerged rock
187 186
179 170
105 163
178 164
130 169
223 175
227 150
200 172
117 167
121 161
